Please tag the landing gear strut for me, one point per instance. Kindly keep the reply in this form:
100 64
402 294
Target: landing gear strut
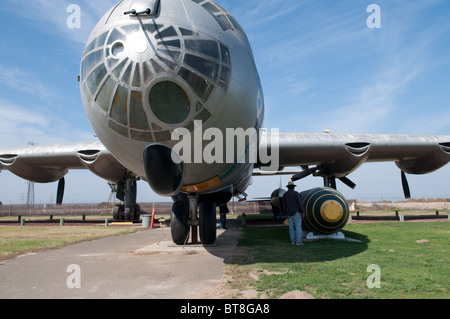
189 213
129 210
207 212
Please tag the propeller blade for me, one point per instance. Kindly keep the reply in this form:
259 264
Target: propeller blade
405 185
347 182
306 172
300 175
60 191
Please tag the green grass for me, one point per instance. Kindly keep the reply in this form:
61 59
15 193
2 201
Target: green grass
338 269
16 240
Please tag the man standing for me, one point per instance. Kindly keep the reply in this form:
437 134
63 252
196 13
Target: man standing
293 206
223 211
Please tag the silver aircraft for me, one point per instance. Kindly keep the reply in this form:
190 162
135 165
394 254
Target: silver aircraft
173 93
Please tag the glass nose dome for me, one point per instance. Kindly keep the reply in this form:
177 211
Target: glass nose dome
148 78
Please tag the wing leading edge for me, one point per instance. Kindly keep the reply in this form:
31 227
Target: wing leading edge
337 155
49 163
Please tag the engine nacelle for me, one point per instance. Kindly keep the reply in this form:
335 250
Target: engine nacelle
326 209
275 202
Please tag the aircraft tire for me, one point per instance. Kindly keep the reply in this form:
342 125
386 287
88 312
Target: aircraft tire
128 214
207 222
178 222
137 212
117 212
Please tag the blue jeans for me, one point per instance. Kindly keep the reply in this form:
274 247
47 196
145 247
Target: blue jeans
223 221
295 228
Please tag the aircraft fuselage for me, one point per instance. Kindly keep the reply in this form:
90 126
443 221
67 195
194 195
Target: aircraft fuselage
146 73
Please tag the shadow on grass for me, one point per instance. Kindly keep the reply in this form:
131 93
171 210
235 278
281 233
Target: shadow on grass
273 245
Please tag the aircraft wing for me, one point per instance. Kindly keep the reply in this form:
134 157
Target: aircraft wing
50 163
322 154
336 155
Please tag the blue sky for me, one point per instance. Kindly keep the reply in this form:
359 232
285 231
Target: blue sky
321 68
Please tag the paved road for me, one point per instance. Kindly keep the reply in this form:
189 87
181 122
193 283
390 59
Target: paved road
141 265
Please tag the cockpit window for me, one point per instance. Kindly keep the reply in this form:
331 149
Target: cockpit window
225 54
152 27
207 68
211 59
138 119
119 109
95 78
222 16
118 82
223 21
186 32
119 68
104 96
201 87
137 76
91 61
236 25
206 47
169 32
127 74
98 42
116 35
170 43
210 7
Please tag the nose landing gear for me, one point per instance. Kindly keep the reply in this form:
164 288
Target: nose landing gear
194 215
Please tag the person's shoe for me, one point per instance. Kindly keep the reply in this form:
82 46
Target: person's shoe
300 244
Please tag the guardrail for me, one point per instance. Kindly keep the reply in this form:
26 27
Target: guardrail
400 216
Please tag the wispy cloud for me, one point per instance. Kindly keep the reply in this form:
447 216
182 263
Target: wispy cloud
262 12
18 123
14 117
404 52
52 15
26 82
361 80
298 86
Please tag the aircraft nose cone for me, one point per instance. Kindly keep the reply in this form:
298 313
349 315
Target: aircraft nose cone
140 45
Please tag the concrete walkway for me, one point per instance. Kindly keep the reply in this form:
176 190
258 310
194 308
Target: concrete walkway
141 265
